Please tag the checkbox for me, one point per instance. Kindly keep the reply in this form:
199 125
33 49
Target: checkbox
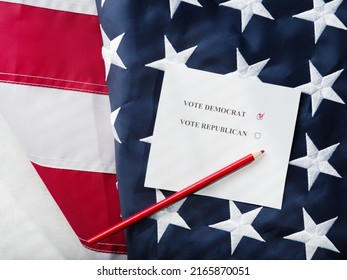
257 135
260 116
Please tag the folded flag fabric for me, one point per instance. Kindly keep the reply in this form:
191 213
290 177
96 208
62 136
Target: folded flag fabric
298 44
54 96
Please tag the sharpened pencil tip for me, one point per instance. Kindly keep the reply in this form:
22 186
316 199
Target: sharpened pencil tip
257 154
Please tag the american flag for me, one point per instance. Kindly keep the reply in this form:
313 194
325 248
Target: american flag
299 44
53 95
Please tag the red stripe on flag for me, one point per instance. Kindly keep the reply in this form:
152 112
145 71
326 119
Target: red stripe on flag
72 191
51 48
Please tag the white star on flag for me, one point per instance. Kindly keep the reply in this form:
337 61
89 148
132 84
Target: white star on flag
239 225
314 236
321 88
316 161
113 118
148 139
175 3
109 51
171 56
168 216
247 71
102 3
248 8
321 15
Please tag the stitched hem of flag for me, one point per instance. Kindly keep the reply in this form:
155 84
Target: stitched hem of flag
53 83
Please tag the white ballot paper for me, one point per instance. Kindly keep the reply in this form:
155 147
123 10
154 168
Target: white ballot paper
206 121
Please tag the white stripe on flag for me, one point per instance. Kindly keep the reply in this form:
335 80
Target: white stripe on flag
81 138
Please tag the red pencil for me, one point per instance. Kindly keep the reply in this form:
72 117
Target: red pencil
175 197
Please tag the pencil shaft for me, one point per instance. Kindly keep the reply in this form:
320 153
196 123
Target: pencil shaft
173 198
